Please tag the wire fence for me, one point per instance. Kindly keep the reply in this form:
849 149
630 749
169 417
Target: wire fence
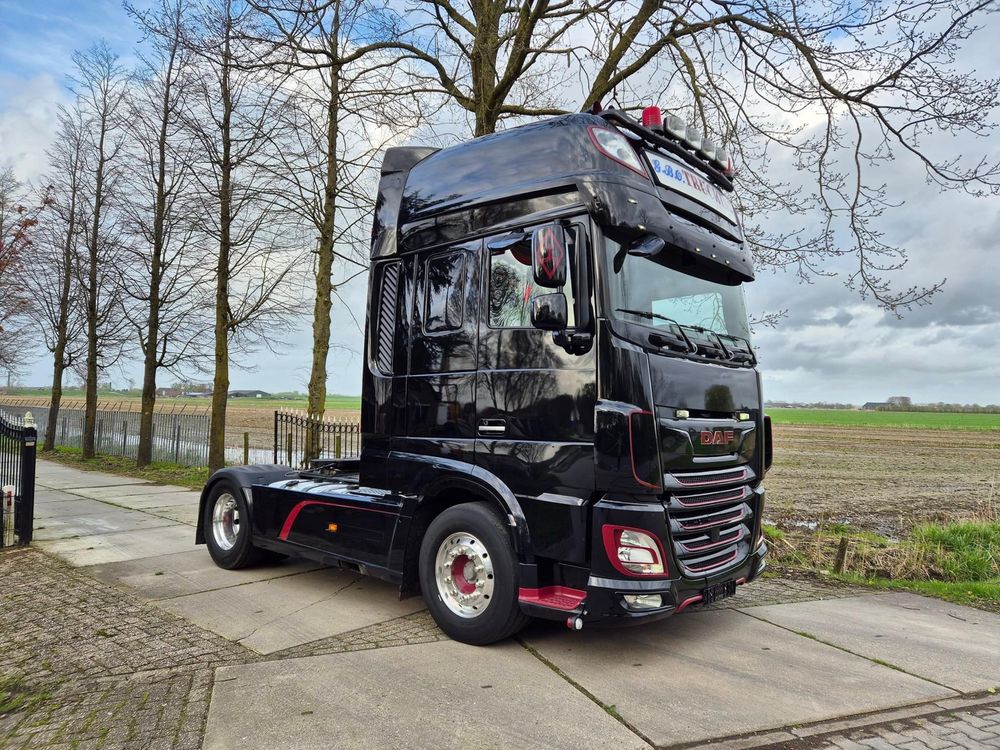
178 437
299 438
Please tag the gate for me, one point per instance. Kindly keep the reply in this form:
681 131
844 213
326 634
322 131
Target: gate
17 478
298 438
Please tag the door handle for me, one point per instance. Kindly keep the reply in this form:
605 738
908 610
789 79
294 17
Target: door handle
492 426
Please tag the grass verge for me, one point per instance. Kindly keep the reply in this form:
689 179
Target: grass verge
959 562
193 477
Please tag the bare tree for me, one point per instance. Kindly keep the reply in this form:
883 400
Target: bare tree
346 101
165 274
233 123
15 302
100 83
51 275
873 81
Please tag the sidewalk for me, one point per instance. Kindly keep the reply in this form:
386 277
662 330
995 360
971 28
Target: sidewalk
127 635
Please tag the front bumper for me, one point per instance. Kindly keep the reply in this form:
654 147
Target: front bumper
602 601
597 593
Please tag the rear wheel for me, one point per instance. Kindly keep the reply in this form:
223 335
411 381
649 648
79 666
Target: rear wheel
226 522
468 575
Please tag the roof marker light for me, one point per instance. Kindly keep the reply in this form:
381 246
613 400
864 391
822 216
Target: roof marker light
616 146
693 137
652 117
675 126
707 148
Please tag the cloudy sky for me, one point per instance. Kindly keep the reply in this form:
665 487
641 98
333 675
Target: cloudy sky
832 346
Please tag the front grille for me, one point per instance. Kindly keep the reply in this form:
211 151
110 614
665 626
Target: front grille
710 529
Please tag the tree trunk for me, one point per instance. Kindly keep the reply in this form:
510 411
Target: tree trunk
324 267
57 375
220 383
62 328
90 408
151 363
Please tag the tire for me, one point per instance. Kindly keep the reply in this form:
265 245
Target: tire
229 543
469 575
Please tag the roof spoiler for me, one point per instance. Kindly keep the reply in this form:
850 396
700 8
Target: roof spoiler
396 165
404 158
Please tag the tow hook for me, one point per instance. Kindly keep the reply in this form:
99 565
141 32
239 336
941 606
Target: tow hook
574 622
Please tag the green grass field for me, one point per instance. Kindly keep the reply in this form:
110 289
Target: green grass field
281 401
905 419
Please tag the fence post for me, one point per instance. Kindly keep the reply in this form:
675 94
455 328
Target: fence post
124 435
289 448
336 446
24 515
246 448
177 441
276 436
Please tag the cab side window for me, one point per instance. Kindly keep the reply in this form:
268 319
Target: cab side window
512 286
444 299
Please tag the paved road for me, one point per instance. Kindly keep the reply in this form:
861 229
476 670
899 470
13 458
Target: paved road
126 635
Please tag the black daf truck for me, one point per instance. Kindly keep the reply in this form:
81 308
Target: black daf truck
561 412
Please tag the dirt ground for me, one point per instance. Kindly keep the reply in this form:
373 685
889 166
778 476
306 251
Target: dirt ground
882 480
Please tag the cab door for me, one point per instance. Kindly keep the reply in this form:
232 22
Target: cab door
535 398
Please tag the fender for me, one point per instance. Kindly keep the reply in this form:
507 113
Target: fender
243 477
432 474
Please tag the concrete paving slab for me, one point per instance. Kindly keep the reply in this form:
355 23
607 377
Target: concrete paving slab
273 615
436 695
185 498
121 490
705 675
186 514
72 506
58 477
954 645
110 521
125 545
183 573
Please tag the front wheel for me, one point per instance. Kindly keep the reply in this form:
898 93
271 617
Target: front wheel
226 522
468 575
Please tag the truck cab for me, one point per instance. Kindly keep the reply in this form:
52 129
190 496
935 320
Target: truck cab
561 411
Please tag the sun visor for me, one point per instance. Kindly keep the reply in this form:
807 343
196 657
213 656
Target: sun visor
626 214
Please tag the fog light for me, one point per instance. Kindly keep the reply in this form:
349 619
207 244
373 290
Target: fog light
643 601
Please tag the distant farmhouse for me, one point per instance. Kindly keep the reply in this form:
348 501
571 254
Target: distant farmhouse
895 403
249 394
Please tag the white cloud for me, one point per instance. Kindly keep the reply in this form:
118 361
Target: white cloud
28 122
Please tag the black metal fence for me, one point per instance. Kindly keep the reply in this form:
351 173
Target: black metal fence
17 479
299 437
178 437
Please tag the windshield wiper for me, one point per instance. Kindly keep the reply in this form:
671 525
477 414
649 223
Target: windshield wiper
726 352
651 315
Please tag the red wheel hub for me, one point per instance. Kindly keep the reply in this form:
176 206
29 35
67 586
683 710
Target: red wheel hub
462 583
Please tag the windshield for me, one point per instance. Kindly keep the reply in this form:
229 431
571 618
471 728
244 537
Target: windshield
642 289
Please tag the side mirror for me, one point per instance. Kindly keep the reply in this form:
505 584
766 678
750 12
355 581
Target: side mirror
548 311
549 257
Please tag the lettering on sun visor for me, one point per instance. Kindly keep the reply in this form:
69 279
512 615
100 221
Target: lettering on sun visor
684 180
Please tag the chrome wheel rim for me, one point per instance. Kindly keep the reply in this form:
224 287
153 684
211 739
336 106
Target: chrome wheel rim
226 521
463 571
